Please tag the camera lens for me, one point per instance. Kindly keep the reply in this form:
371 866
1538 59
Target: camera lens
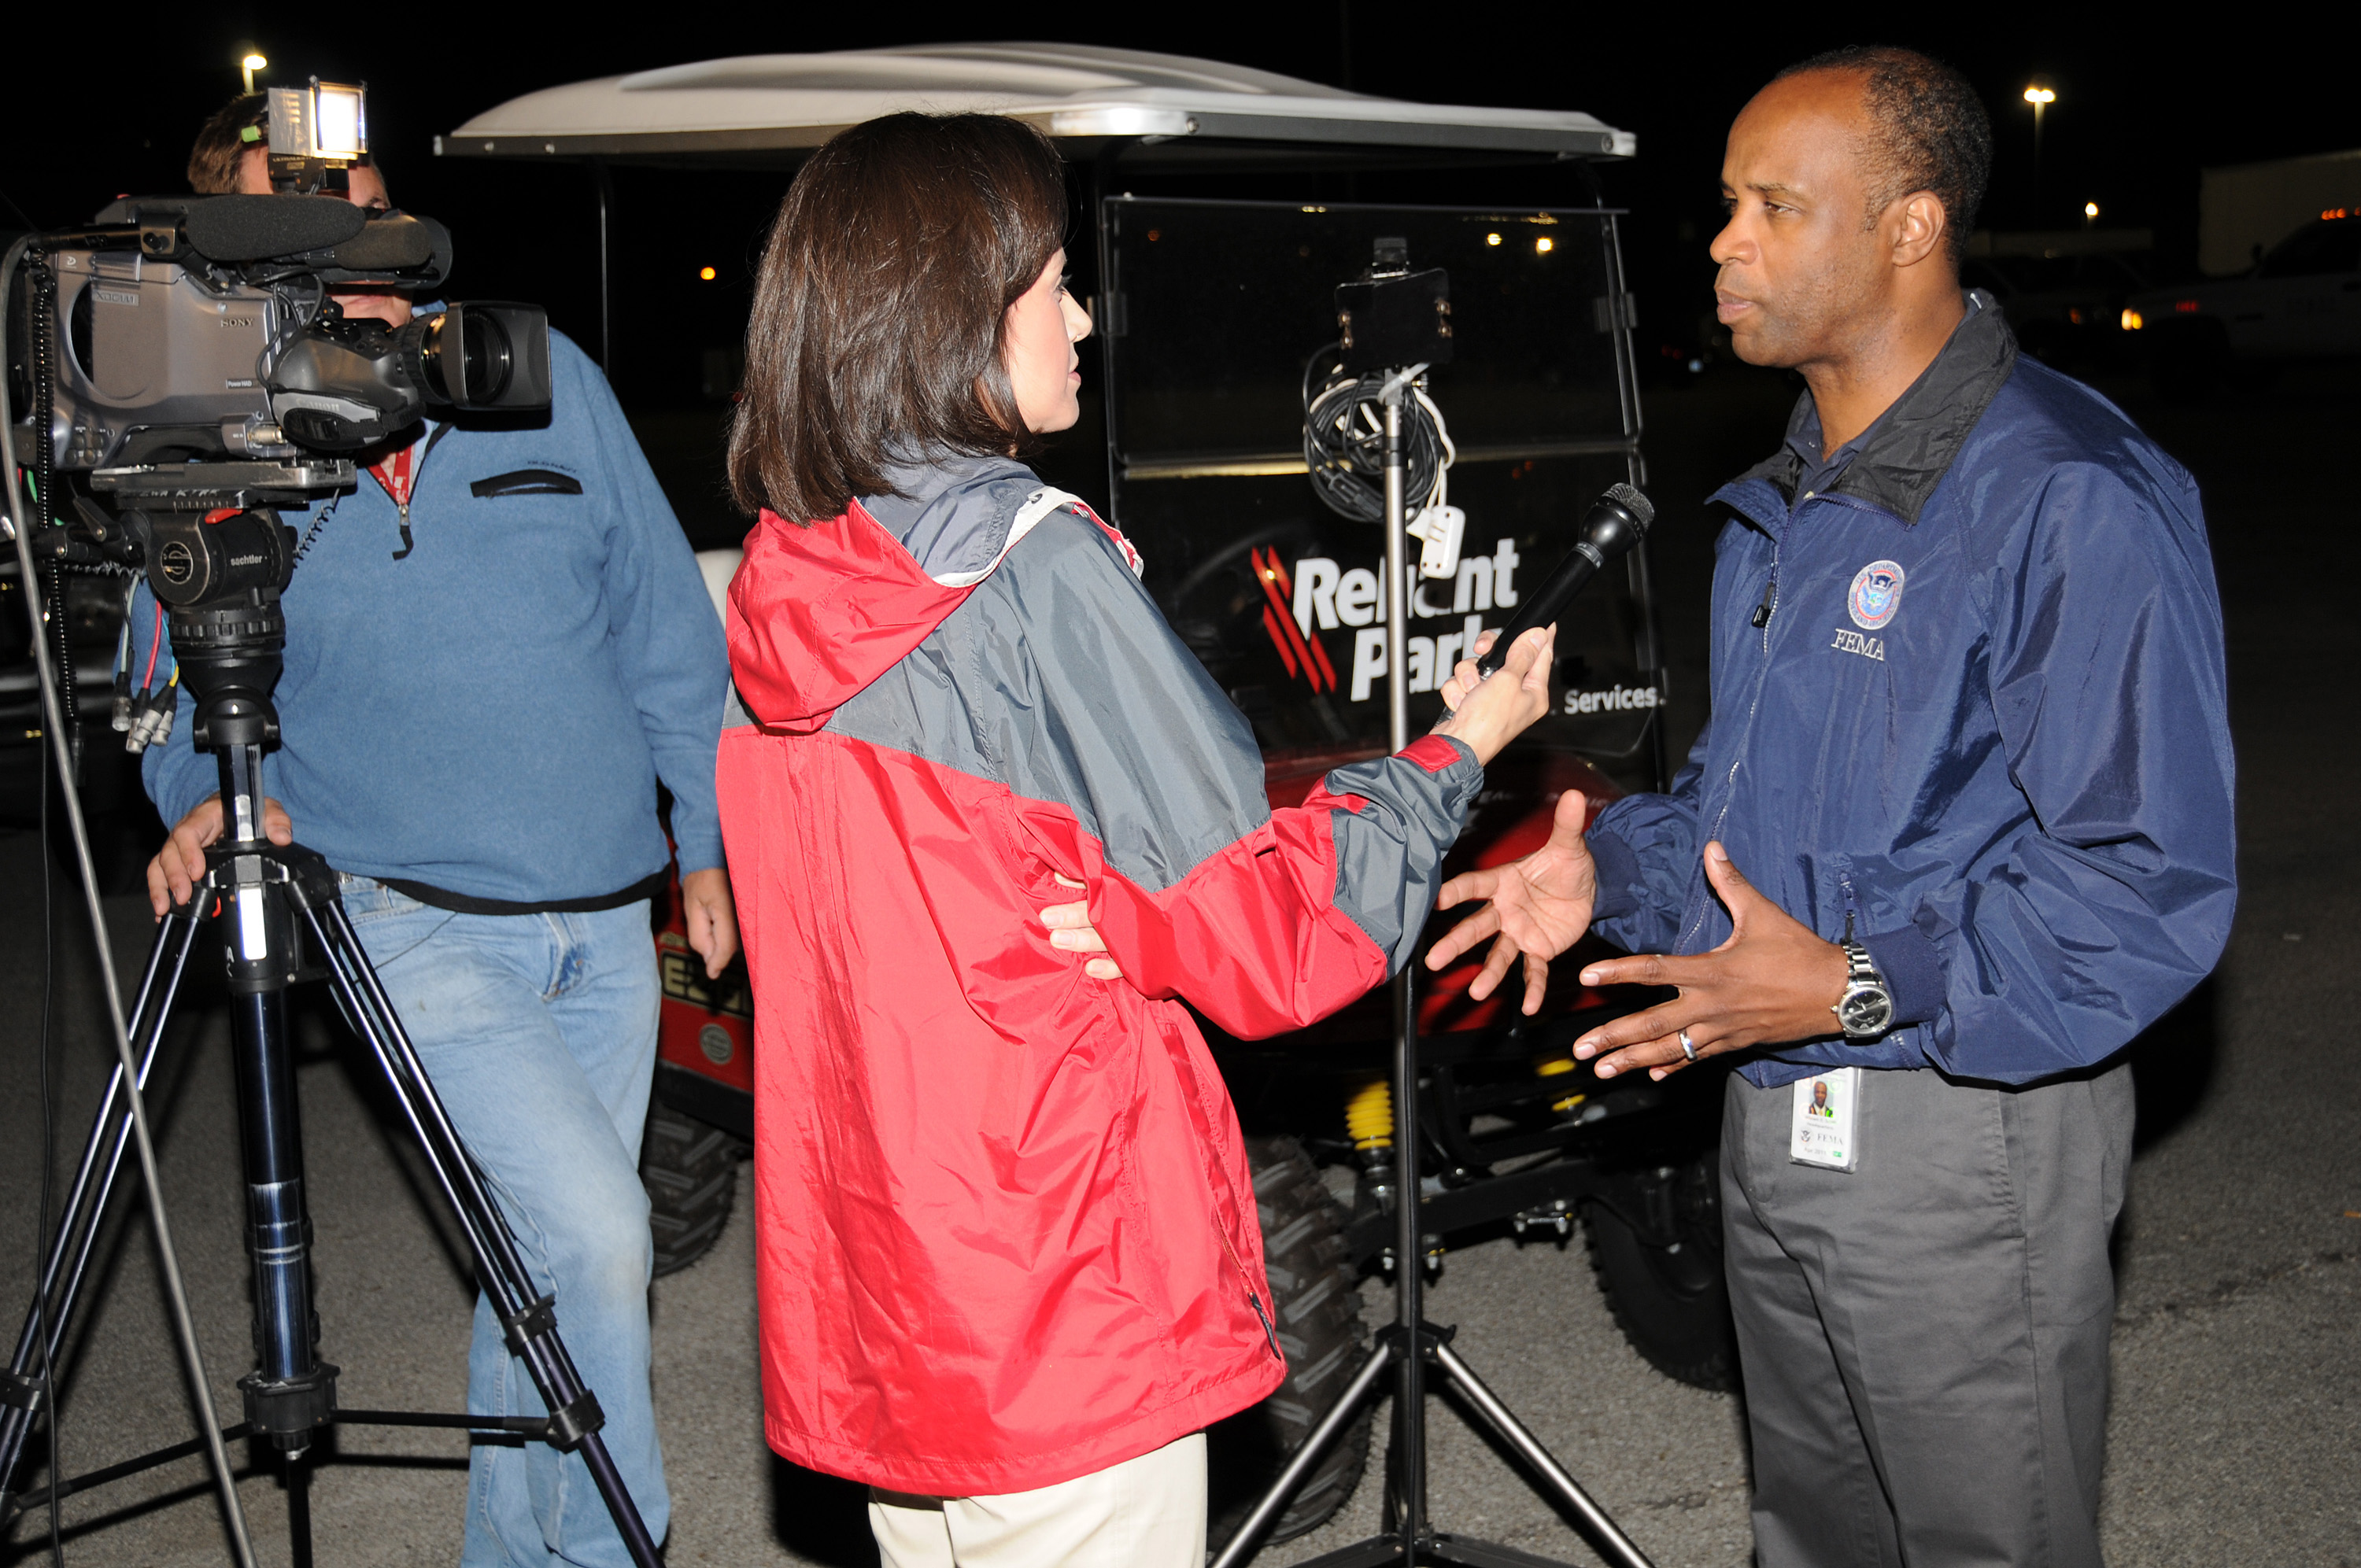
467 357
485 344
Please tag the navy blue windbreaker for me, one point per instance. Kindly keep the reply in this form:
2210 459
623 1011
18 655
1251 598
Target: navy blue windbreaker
1985 714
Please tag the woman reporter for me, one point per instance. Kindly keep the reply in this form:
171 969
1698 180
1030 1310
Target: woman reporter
1009 1269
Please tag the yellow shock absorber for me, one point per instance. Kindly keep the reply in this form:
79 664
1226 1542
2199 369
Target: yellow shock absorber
1369 1115
1557 1067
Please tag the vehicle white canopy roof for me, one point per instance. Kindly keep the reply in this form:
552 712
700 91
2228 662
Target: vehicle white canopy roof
750 105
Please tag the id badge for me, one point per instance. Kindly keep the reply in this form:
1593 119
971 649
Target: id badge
1827 1125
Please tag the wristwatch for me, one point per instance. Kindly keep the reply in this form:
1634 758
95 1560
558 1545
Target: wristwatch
1866 1008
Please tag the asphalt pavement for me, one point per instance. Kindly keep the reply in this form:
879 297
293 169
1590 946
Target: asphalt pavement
2235 1430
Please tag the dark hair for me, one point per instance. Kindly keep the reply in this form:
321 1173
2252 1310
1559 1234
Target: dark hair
1929 129
221 143
882 305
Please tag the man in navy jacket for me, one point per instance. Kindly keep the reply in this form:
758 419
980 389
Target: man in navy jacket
1969 742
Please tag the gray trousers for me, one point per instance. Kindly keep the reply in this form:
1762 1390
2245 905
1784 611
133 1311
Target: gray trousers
1924 1341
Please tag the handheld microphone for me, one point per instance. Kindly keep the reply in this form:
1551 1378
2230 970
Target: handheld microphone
1616 521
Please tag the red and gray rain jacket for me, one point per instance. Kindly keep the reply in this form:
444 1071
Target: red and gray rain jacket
1006 1230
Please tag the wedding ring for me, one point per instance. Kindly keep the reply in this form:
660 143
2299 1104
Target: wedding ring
1689 1046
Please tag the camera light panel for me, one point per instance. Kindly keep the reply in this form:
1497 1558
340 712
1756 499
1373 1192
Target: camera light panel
339 120
325 123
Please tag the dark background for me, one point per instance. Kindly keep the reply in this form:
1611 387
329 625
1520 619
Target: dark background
2237 1413
2142 105
104 109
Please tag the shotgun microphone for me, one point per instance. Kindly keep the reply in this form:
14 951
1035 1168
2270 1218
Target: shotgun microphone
1616 521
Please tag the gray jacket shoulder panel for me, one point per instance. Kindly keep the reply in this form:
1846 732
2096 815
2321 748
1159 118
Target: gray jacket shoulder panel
1060 679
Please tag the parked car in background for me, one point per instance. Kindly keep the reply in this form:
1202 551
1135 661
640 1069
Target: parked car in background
2063 293
2301 300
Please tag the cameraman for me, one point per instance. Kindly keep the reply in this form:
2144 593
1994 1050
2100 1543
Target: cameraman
496 646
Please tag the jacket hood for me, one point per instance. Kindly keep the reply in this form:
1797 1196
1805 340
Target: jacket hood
817 611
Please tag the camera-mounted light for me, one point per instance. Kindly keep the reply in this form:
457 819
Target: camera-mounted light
317 133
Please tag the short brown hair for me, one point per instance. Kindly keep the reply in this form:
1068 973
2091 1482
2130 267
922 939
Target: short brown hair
222 142
882 305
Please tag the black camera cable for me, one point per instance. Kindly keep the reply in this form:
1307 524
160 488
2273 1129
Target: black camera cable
12 521
1343 440
49 1169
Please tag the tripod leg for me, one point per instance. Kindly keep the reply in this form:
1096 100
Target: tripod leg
1316 1443
1614 1546
1407 1452
23 1391
291 1392
299 1512
529 1318
277 1227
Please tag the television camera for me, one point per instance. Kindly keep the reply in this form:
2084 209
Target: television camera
186 362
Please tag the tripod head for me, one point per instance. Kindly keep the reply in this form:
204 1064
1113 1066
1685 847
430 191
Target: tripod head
209 541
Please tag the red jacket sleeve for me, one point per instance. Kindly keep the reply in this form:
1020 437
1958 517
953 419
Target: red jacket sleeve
1303 915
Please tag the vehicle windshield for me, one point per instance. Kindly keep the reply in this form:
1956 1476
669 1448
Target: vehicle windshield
1223 303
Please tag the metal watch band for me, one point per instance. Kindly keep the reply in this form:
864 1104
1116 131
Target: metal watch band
1864 969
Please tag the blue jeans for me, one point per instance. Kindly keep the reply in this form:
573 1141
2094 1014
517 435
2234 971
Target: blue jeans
539 1032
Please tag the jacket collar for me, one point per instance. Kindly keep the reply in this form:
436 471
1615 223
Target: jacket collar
1907 450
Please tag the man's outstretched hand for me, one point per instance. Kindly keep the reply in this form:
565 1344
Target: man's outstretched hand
180 865
1774 983
1538 908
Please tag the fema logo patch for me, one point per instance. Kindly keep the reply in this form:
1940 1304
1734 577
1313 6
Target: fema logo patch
1876 595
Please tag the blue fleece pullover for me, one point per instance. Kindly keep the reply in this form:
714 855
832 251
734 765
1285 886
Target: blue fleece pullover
488 711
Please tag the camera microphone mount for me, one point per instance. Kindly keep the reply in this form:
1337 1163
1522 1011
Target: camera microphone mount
1410 1344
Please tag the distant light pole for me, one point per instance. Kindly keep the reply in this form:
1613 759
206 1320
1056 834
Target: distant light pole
2040 98
2090 214
252 63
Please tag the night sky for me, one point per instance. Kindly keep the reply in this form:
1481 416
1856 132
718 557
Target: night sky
2141 108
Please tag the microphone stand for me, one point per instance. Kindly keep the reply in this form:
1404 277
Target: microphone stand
1409 1342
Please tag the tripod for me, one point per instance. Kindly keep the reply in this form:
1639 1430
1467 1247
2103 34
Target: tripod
1410 1343
230 647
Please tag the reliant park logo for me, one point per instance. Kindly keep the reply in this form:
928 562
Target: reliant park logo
1316 594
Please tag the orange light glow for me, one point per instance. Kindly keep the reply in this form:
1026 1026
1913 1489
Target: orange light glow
2134 321
706 273
1544 245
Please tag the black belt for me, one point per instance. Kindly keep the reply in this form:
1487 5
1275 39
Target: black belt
650 886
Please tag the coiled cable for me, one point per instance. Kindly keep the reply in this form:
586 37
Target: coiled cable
1344 441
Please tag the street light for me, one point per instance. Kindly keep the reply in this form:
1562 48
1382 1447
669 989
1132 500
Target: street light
2040 98
2090 214
248 66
